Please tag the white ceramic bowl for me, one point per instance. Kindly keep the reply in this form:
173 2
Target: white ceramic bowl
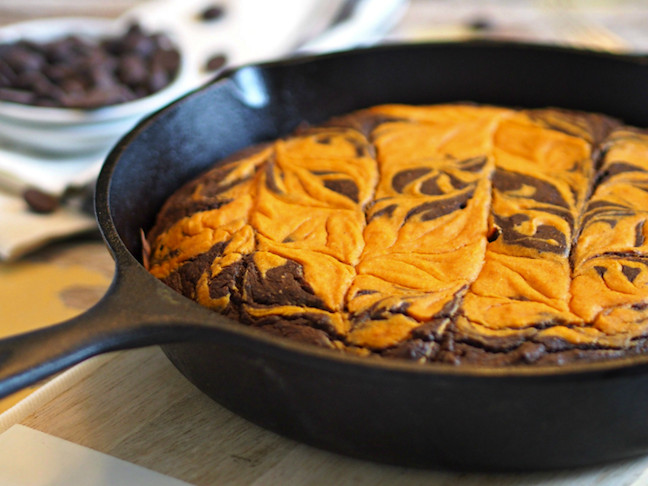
71 130
250 31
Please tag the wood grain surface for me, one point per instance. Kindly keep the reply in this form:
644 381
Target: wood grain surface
136 406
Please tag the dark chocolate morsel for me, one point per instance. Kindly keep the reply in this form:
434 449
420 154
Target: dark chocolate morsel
481 24
39 201
212 12
215 62
17 95
73 72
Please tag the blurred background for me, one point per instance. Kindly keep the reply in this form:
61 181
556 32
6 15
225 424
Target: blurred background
611 23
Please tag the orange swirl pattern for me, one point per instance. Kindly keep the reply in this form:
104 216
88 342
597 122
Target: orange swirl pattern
438 233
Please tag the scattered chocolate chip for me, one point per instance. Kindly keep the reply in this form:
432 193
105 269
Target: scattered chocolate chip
215 62
74 72
39 201
212 12
480 24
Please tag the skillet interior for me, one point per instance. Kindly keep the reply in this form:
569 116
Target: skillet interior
437 416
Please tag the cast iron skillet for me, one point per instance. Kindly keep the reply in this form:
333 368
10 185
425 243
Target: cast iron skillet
385 410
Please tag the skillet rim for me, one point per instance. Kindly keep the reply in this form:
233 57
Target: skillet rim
126 262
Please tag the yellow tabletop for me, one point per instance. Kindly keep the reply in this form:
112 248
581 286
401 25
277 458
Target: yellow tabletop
50 286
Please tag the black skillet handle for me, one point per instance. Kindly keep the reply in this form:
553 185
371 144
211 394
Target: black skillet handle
136 311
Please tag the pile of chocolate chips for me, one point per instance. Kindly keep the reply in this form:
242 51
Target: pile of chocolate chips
73 72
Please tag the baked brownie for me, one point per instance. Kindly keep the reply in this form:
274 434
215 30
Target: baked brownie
450 233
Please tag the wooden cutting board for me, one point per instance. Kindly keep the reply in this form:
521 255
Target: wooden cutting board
136 406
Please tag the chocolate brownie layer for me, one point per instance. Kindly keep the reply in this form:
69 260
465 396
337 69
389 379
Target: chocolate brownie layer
453 233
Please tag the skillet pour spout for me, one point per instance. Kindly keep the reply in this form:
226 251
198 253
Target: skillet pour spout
466 417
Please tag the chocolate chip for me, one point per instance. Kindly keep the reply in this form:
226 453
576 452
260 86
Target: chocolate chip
6 73
39 201
23 59
132 69
17 95
158 79
77 73
167 59
36 82
481 24
141 44
212 12
215 62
